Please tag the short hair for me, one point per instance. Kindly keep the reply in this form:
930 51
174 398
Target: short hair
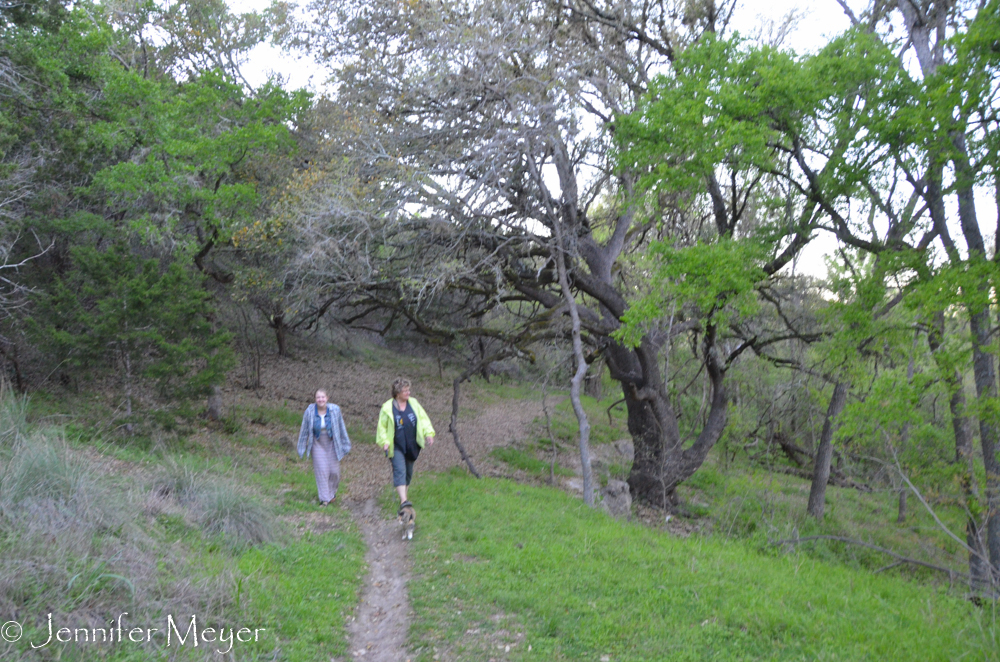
321 390
399 385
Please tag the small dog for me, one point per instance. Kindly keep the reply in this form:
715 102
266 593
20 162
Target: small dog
407 519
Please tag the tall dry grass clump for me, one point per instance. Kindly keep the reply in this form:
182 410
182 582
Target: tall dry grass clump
215 504
82 542
242 519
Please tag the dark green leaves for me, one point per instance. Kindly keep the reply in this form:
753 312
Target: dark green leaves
117 309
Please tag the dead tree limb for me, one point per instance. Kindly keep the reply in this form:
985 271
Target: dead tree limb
837 478
471 370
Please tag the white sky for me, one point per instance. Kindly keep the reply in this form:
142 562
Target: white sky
820 21
266 60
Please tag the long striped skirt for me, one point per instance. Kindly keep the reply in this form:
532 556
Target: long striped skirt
327 468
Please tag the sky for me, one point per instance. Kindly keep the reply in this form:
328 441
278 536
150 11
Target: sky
266 60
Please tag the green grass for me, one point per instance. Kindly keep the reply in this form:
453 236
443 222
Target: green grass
176 529
303 592
498 391
526 566
566 427
264 415
527 461
756 505
496 563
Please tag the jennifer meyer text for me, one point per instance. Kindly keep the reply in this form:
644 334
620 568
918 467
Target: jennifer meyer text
176 632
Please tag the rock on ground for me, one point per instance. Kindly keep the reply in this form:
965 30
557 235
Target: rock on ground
616 499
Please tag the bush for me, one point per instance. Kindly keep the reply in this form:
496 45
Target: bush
216 505
176 480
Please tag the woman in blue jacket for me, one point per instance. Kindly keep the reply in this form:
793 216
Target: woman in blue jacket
324 436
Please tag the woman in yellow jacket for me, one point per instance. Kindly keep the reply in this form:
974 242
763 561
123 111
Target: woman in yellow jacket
403 430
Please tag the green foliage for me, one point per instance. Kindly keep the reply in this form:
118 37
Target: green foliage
724 102
718 279
179 157
969 84
169 154
891 405
574 584
46 14
116 308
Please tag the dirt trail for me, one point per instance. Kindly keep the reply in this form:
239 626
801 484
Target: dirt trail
360 390
378 628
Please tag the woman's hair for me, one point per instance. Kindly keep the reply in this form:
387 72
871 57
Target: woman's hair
399 385
321 390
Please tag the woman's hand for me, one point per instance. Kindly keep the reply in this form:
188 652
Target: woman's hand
429 440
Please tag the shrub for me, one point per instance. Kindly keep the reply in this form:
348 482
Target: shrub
176 480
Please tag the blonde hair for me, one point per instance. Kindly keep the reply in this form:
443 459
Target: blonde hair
399 385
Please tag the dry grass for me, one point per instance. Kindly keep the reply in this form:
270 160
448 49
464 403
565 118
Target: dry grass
86 544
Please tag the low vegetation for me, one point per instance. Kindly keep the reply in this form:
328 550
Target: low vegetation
503 570
509 571
86 536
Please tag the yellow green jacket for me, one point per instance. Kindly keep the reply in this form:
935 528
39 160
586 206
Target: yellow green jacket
385 433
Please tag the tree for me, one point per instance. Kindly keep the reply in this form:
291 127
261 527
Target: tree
116 309
484 125
112 137
872 151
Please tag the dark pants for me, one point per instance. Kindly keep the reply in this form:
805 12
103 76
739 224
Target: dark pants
402 469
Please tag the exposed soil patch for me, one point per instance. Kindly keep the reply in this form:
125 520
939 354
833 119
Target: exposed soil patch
378 629
314 522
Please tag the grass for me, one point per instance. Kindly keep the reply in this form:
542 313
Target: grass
602 429
304 590
526 566
239 517
756 505
173 528
527 461
499 567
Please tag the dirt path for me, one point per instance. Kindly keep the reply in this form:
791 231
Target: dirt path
378 629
